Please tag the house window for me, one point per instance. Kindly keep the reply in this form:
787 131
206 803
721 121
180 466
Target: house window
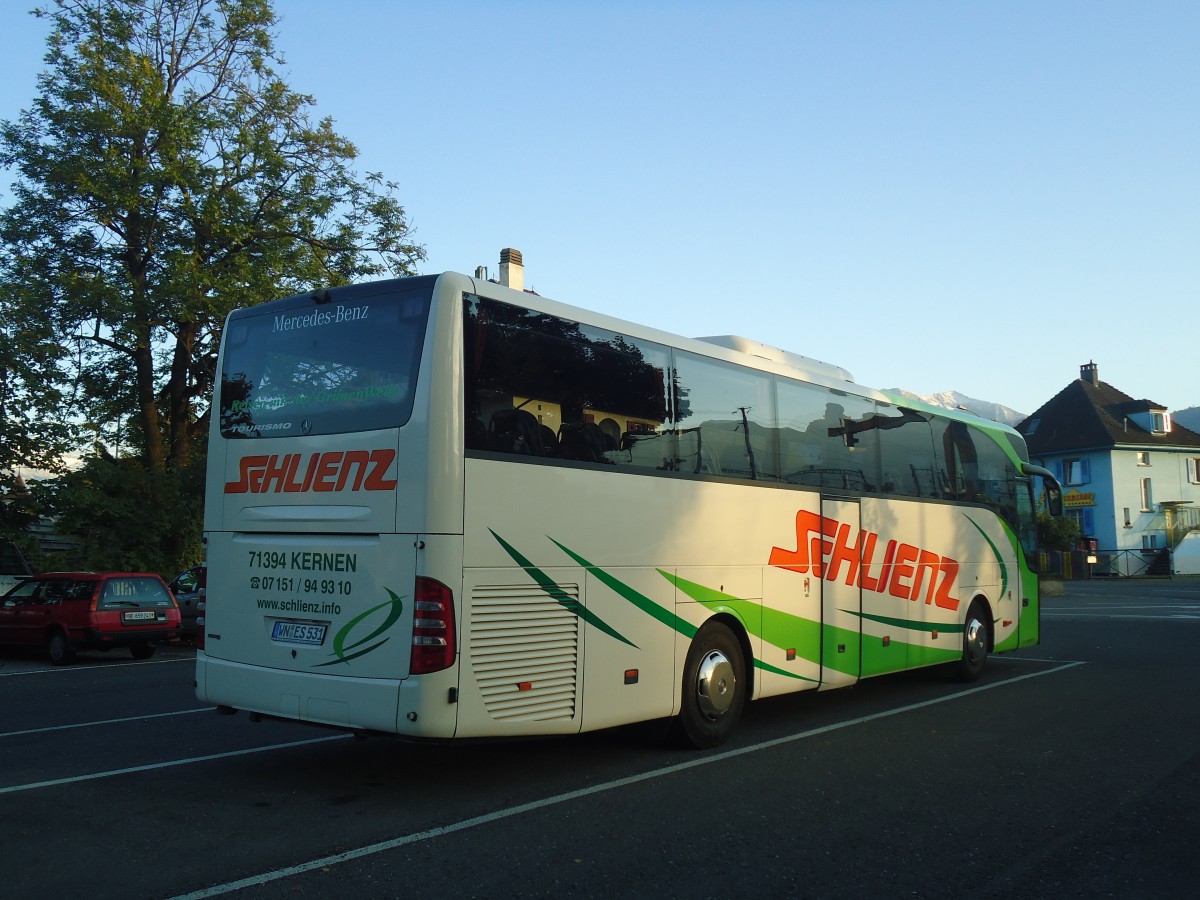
1147 496
1161 422
1149 542
1128 520
1143 457
1193 470
1077 471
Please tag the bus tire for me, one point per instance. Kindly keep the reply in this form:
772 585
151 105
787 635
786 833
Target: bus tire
714 688
976 638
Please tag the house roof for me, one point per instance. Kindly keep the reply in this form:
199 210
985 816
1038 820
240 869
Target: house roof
1086 415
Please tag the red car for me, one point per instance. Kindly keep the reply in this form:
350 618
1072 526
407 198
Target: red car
69 611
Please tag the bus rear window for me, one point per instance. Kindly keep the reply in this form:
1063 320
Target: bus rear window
346 363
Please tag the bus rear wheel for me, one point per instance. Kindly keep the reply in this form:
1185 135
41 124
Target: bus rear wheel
976 637
714 688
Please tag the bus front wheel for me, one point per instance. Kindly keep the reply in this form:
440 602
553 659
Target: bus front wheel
714 688
976 634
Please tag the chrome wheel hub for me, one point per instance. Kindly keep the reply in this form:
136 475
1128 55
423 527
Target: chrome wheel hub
716 684
975 644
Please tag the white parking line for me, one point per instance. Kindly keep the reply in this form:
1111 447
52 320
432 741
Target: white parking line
1112 614
498 815
181 712
61 670
17 788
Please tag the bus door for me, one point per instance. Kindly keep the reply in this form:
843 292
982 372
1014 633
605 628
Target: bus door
841 596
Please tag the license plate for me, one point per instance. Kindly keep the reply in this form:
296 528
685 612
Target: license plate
139 615
298 633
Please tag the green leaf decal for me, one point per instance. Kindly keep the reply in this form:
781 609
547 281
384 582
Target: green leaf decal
638 599
999 558
341 654
778 628
909 624
556 593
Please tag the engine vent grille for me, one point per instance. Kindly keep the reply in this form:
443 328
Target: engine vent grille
525 652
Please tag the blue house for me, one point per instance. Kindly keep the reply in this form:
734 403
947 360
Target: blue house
1130 476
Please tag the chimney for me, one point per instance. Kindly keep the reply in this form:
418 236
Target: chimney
1090 373
512 269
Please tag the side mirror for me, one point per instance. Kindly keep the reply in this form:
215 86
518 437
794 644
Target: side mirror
1054 498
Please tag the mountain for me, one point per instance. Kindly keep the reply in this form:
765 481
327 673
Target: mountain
1189 418
982 408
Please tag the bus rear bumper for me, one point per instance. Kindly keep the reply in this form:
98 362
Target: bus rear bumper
356 704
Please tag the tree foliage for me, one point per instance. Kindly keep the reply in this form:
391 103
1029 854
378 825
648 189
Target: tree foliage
1056 533
165 174
28 350
118 510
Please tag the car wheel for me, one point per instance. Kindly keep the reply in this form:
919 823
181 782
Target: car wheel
61 651
975 643
142 651
714 688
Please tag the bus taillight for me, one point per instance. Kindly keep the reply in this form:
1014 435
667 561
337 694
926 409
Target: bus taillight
433 627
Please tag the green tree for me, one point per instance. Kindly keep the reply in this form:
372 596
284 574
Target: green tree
28 349
117 509
1056 533
165 174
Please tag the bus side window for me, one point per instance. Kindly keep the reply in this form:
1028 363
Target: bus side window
725 418
828 439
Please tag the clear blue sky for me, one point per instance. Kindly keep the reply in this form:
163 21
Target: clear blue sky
976 196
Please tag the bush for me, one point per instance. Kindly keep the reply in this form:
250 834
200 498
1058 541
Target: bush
1057 534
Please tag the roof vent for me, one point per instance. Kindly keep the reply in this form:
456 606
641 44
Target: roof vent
1090 373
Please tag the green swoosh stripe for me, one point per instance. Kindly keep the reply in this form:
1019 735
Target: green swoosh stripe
394 605
909 624
641 601
999 558
778 628
556 593
775 670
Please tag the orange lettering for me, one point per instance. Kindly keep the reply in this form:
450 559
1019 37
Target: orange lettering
823 547
326 472
797 560
942 598
843 552
928 562
899 586
381 460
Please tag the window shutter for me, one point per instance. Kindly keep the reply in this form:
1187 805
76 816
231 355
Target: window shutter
1089 522
1085 470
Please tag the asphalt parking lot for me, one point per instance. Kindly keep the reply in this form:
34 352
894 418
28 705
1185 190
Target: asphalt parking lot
1070 770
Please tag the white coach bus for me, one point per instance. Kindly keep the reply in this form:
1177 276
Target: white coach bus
439 508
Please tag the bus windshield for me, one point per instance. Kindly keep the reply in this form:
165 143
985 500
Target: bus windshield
325 363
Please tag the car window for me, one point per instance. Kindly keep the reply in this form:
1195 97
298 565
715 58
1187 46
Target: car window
128 593
53 591
24 592
188 581
80 590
